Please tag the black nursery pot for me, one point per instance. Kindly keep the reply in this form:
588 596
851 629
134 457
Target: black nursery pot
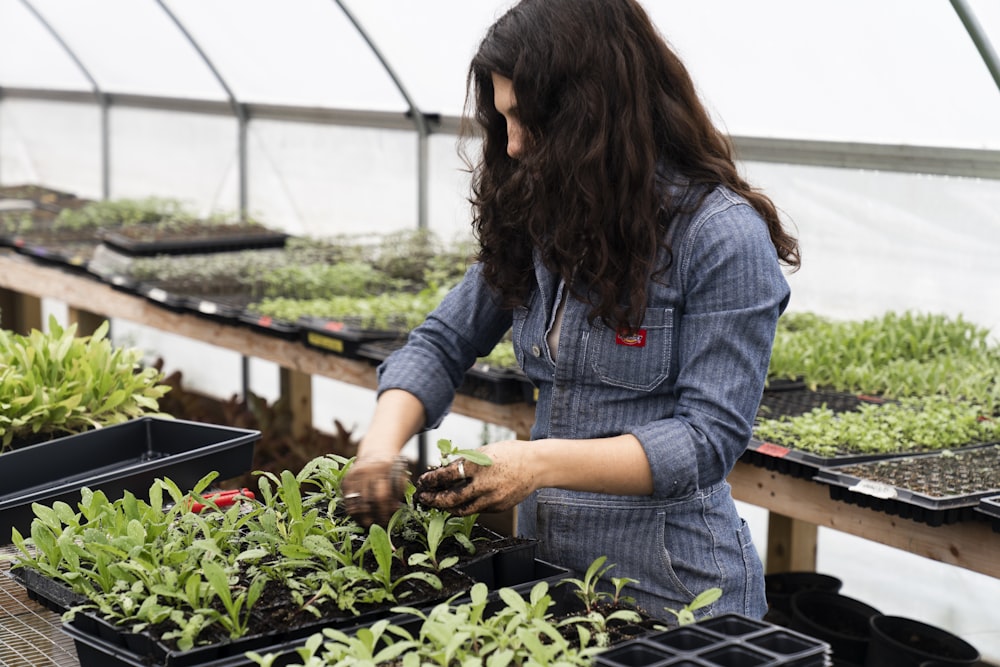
904 642
841 621
779 587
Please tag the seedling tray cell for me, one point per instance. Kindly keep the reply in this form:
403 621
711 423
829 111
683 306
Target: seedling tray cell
636 654
918 478
115 459
721 641
342 338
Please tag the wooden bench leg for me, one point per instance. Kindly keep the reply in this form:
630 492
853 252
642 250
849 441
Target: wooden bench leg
791 545
20 313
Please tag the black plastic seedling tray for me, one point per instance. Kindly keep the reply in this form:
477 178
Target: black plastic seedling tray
793 401
852 484
495 385
106 646
115 459
342 338
989 509
488 383
723 641
188 244
270 325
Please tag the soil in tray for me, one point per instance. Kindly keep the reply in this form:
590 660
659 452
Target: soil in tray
941 475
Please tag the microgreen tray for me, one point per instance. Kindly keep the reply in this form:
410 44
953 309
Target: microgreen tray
934 488
127 456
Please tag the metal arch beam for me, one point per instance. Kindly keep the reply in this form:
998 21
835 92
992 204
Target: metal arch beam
103 100
979 38
238 109
932 160
419 120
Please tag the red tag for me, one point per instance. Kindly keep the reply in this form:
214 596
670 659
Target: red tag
771 449
637 339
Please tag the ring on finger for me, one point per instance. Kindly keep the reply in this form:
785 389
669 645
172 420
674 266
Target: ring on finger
461 468
351 496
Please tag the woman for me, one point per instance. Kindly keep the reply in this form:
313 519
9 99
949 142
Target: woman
641 275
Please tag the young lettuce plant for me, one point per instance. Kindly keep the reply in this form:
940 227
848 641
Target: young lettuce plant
450 452
381 549
685 615
521 633
587 587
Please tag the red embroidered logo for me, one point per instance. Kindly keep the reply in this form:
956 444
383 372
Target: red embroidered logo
637 339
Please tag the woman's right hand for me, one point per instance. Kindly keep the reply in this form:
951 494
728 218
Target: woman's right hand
373 488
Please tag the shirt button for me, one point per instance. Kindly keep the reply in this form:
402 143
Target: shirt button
535 350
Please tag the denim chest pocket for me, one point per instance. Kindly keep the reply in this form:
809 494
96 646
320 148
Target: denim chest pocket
640 362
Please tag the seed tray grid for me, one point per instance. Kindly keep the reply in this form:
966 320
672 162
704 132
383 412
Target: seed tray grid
30 634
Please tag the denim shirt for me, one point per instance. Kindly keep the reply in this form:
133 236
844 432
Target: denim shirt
687 387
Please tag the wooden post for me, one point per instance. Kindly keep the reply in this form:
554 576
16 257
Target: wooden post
791 545
86 321
296 388
20 312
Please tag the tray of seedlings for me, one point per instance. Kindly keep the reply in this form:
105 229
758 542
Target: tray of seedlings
934 488
845 392
73 234
187 233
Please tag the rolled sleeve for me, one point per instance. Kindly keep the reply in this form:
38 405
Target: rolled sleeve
466 325
734 292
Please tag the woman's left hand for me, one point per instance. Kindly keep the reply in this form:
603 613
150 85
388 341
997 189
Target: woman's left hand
463 487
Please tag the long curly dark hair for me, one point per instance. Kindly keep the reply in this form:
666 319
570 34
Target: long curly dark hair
605 103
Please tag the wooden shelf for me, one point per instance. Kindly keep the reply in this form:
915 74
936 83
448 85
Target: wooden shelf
797 506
